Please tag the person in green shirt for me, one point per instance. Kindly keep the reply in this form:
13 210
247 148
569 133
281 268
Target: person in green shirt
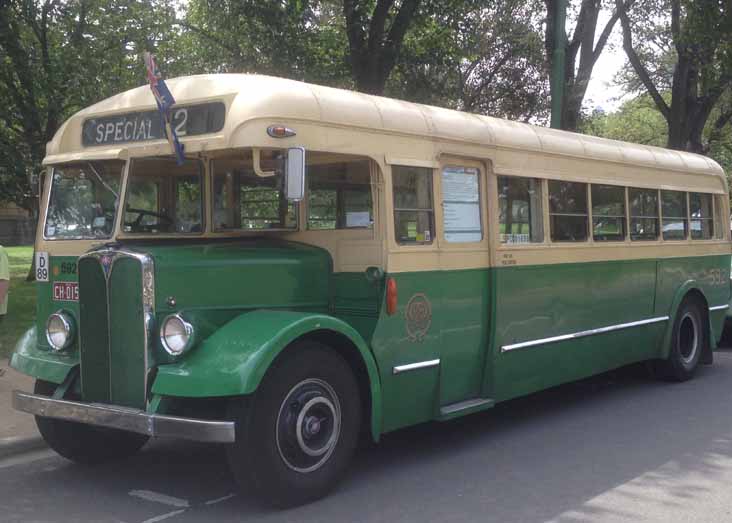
4 283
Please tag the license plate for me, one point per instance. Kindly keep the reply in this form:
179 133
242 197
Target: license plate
65 291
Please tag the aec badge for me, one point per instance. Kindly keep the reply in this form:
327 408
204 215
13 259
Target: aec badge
418 315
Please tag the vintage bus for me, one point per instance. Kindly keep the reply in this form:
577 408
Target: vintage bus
327 265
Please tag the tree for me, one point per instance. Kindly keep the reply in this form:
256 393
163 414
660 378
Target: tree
58 57
582 51
684 48
375 36
478 57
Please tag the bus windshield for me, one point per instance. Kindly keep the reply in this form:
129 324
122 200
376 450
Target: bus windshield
164 197
83 202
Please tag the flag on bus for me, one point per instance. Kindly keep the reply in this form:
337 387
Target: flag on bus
164 99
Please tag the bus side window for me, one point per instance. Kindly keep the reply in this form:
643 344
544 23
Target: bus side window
521 219
643 214
568 211
673 210
702 216
339 196
414 216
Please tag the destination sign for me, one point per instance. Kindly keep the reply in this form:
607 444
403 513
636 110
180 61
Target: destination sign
186 120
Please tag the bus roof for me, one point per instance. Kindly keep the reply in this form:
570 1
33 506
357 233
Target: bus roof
250 97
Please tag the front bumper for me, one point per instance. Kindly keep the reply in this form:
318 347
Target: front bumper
132 420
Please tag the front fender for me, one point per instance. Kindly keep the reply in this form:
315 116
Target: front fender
28 359
233 360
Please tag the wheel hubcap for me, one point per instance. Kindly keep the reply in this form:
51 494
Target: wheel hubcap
308 425
688 338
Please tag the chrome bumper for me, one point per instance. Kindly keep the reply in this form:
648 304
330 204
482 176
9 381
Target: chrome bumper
132 420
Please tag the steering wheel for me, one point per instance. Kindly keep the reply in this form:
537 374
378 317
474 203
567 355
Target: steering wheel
164 221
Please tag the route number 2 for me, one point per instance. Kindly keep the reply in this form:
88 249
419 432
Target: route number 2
42 266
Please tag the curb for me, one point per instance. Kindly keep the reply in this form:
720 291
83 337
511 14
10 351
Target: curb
20 445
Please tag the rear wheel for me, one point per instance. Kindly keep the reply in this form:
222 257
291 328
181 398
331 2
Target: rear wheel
83 443
688 341
296 436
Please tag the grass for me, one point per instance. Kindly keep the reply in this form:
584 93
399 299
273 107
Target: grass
21 302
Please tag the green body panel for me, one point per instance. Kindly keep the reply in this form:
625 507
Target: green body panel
356 301
29 358
456 333
234 359
247 274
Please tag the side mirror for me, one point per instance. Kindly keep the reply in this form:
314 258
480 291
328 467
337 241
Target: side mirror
295 174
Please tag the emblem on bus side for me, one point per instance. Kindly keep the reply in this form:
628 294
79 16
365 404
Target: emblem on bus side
418 315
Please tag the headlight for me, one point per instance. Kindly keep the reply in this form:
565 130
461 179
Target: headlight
176 335
60 330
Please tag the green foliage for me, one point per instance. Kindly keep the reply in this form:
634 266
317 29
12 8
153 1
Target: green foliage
58 57
21 299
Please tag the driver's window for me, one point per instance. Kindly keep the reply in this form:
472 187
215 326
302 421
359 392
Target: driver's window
164 197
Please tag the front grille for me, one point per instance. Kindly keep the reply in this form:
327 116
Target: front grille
113 335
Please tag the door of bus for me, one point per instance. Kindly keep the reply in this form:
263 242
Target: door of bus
462 221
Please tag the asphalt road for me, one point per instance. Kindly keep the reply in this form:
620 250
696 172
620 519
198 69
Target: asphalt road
619 447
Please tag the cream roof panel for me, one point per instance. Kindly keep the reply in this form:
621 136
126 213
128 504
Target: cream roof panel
514 134
250 97
401 116
559 142
638 154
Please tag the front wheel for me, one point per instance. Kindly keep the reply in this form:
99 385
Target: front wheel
296 436
688 341
84 443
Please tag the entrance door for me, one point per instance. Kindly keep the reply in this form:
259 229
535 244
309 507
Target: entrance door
464 279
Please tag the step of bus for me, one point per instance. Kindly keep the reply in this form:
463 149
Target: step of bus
461 408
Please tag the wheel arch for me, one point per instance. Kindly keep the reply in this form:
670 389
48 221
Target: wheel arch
234 360
689 290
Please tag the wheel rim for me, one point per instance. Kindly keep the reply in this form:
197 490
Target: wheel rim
688 338
308 425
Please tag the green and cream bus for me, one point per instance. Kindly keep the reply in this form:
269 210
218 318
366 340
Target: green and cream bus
327 265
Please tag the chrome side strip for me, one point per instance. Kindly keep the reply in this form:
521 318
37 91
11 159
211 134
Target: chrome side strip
414 366
582 334
719 307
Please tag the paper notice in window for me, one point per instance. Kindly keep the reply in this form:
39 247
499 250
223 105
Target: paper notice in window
358 219
460 184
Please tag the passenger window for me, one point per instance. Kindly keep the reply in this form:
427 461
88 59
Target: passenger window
608 213
339 196
413 211
568 211
461 205
673 210
245 201
643 214
521 219
702 216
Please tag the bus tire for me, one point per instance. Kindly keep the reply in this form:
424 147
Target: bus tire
82 443
295 437
688 342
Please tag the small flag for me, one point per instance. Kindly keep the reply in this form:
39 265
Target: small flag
164 99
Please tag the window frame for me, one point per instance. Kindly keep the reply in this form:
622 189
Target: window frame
624 217
711 218
229 231
685 218
203 175
587 215
543 198
432 211
442 230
